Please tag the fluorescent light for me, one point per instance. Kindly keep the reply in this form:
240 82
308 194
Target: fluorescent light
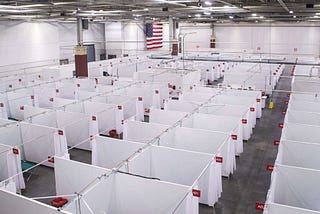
206 13
290 11
261 17
145 9
230 17
198 15
253 14
207 3
189 16
294 16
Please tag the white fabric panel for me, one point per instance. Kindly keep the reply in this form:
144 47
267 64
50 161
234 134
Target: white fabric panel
297 187
73 176
39 143
16 100
299 154
139 110
247 93
274 208
14 168
230 125
312 97
304 106
10 135
14 203
108 152
122 193
44 95
214 143
3 161
179 105
119 119
301 132
165 117
168 165
231 110
311 85
234 100
142 132
195 97
3 112
301 117
29 111
156 100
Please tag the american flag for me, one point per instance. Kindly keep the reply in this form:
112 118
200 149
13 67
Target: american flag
154 35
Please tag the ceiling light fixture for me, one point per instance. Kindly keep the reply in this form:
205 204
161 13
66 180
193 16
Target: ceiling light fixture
231 17
291 11
207 3
198 15
253 14
206 13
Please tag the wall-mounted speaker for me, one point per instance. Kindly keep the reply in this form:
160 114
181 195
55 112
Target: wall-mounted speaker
85 24
309 5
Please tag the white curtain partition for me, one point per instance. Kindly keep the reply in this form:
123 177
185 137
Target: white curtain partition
255 95
129 103
167 164
108 115
250 103
274 208
120 193
166 117
10 163
14 203
310 97
44 95
302 117
295 186
301 132
70 123
180 105
195 97
304 106
142 132
229 125
238 111
109 152
306 84
36 142
15 101
203 141
299 154
29 111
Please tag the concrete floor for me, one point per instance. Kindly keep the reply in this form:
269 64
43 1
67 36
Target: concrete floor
248 185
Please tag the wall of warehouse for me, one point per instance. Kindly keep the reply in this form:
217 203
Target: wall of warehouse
32 43
68 39
276 38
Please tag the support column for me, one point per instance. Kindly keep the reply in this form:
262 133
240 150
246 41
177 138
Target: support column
173 37
80 53
212 39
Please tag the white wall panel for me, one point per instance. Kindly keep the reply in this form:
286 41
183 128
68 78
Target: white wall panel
27 42
198 35
279 39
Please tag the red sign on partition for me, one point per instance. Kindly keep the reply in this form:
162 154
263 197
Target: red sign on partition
139 98
280 125
219 159
15 151
21 108
234 137
276 142
295 49
51 99
270 167
196 193
50 159
1 105
286 102
252 109
284 112
258 100
244 121
94 118
120 107
260 206
60 132
32 97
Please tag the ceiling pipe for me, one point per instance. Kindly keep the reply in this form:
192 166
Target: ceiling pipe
283 5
